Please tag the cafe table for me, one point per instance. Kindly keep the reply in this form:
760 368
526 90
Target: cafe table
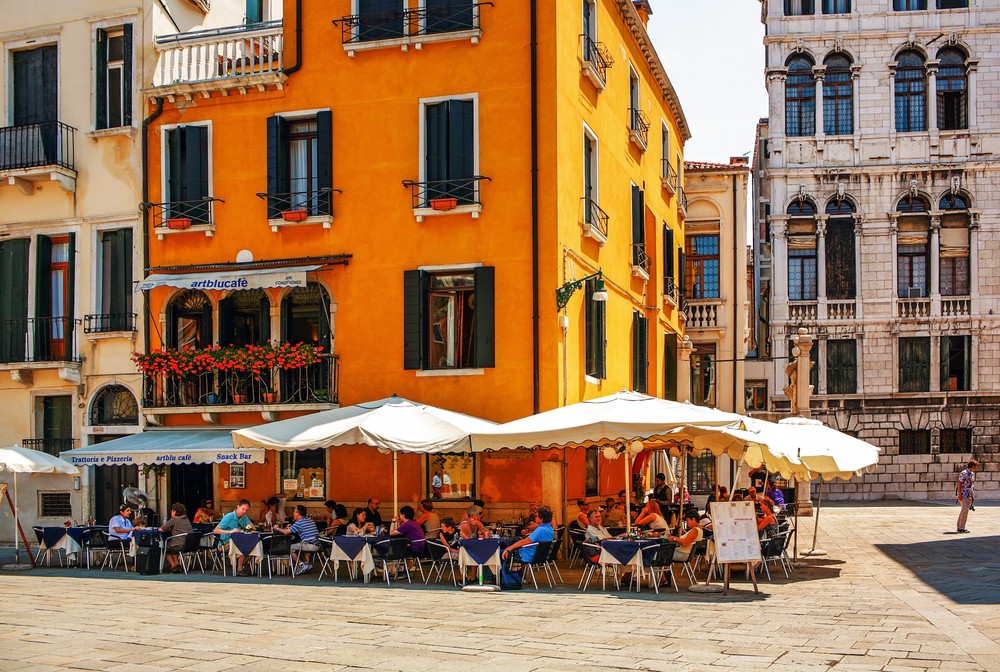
624 552
355 551
69 540
480 552
245 545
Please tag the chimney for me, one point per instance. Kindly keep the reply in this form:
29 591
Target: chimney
739 161
644 10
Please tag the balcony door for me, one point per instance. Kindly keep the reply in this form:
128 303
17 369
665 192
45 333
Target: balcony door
36 101
54 299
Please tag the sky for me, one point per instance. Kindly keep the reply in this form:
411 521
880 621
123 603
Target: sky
714 55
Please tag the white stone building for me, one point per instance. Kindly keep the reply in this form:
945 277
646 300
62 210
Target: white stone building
878 224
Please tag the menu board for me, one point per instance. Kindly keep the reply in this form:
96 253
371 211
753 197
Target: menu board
734 526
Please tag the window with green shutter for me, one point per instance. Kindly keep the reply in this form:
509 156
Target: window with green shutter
915 364
450 151
670 366
595 319
640 352
113 77
841 366
14 306
187 174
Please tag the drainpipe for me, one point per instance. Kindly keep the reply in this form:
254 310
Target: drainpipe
298 40
736 285
534 210
145 211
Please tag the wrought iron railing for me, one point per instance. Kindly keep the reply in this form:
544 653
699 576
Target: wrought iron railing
231 52
314 203
99 324
446 194
669 175
682 201
596 218
181 214
50 446
639 124
670 288
47 143
417 22
597 55
39 339
640 259
317 383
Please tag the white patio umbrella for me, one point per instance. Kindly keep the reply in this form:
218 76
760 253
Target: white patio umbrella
619 420
392 424
19 460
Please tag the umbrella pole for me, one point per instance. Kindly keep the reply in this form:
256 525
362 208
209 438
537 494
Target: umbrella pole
395 483
17 526
819 502
628 494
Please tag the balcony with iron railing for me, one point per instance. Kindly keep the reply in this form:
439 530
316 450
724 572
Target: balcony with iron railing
50 446
105 323
314 206
313 386
595 221
670 294
595 59
638 128
682 202
447 197
39 339
641 262
182 216
220 59
417 26
40 152
668 176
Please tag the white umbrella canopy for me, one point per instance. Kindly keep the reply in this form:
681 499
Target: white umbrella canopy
618 418
826 452
749 445
391 424
27 461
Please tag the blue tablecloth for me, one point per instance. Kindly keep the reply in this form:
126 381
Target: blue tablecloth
245 543
351 546
481 550
52 535
621 550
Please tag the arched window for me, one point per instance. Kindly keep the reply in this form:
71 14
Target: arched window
245 318
800 98
802 251
838 98
114 405
911 90
305 316
952 90
953 250
840 253
912 248
189 321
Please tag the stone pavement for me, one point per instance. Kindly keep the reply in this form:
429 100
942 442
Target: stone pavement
895 592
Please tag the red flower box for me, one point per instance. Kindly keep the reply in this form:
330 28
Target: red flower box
179 223
294 215
444 203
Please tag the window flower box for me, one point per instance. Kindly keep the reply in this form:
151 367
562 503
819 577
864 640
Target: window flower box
444 203
178 223
294 215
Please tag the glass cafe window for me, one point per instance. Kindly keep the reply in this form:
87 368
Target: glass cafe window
451 476
303 474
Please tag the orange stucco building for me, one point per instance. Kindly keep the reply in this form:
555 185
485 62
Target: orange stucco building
406 188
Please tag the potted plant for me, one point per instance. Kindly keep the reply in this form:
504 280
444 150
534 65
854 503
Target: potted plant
178 223
444 203
296 215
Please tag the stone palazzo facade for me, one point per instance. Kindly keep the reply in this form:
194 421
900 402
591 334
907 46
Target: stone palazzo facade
877 227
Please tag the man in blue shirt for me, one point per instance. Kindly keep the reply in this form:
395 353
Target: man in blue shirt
543 532
305 527
235 521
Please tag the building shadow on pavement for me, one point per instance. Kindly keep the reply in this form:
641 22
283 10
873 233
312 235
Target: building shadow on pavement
965 569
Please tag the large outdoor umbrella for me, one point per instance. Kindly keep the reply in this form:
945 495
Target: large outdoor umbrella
392 424
19 460
619 420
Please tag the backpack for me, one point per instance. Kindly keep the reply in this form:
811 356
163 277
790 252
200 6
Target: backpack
509 579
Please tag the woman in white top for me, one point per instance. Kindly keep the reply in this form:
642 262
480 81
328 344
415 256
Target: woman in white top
652 517
685 543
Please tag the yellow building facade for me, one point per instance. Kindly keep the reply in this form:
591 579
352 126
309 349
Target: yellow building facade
407 188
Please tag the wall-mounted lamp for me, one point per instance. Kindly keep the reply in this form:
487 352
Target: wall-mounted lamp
566 291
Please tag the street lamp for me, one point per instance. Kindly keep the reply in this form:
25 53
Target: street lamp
566 291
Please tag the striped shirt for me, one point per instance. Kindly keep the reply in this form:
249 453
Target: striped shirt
305 527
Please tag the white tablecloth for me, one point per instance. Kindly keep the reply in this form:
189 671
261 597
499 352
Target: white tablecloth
365 557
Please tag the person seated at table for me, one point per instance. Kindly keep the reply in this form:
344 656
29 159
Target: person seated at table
596 532
268 516
428 521
177 525
661 491
719 494
120 527
359 524
767 523
614 516
236 520
472 526
447 534
633 510
482 505
146 517
687 496
205 513
305 527
543 532
686 541
582 519
334 517
404 525
529 524
532 512
371 512
776 495
652 517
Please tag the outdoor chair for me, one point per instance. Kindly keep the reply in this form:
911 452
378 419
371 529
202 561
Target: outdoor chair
575 535
326 557
190 552
659 560
215 553
39 536
275 550
552 562
117 548
694 558
442 560
95 540
540 561
771 550
395 552
590 554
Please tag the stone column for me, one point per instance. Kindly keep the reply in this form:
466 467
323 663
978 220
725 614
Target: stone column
819 72
776 101
892 100
932 121
821 262
856 99
934 272
684 350
971 66
803 364
974 300
859 221
894 246
779 266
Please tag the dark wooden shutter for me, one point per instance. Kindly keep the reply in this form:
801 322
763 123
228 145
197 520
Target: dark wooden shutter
324 159
277 166
639 354
414 322
600 310
14 306
485 316
840 259
841 367
285 323
461 139
175 171
682 272
264 318
196 171
670 367
101 80
127 75
255 11
43 299
638 230
436 142
668 257
206 325
172 324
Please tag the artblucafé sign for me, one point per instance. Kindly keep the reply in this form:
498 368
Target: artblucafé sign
257 278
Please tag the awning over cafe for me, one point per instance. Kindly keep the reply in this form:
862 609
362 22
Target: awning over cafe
165 446
250 278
